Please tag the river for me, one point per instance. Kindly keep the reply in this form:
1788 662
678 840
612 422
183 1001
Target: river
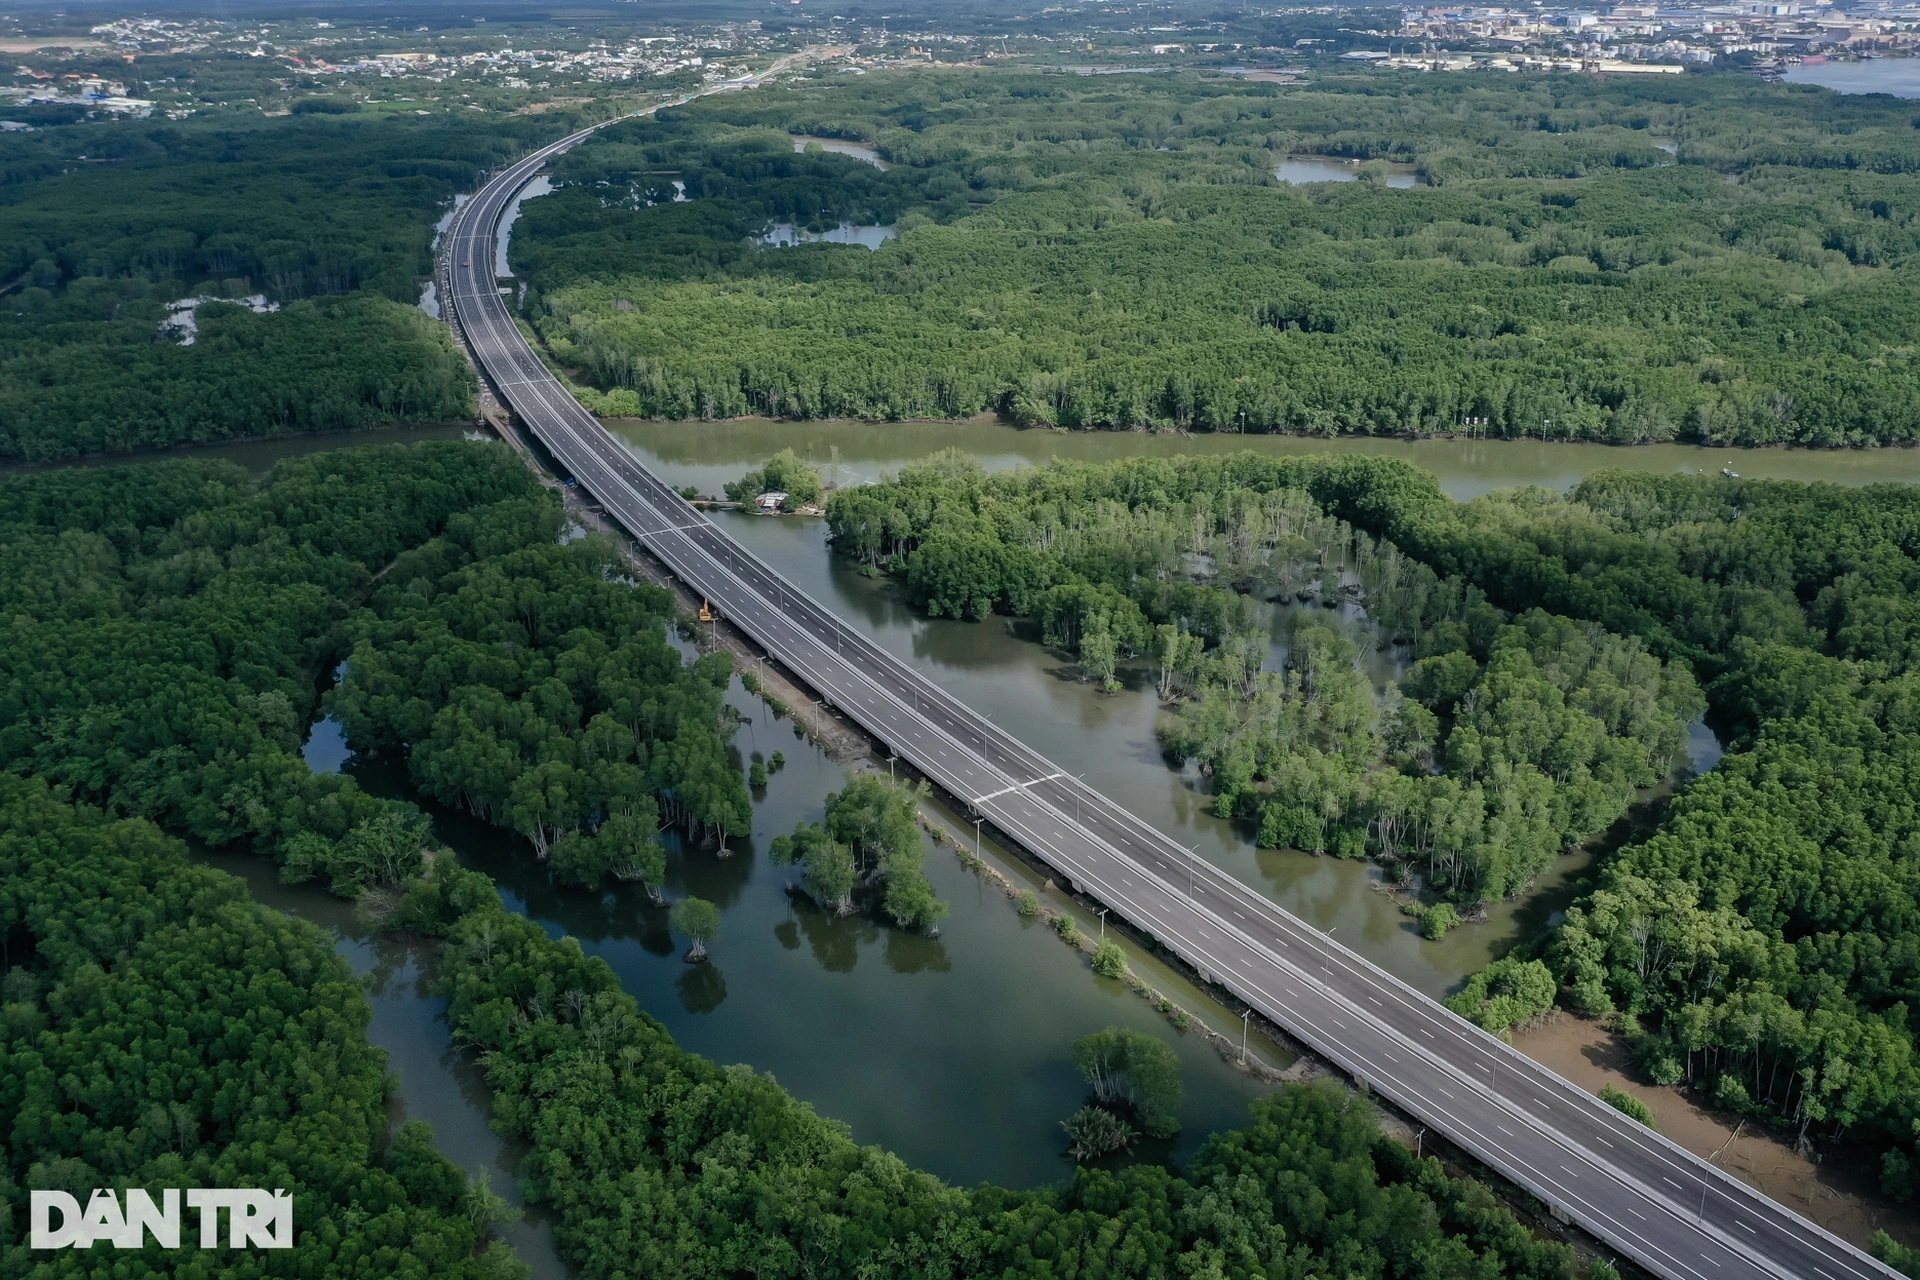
708 454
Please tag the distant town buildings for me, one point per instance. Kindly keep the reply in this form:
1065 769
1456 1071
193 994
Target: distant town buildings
1646 37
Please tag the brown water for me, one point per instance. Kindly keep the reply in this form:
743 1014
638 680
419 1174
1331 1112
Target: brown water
258 456
709 453
1000 671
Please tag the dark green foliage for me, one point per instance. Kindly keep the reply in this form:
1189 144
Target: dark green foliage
1098 254
162 630
162 1030
783 473
295 209
322 364
1506 992
656 1162
533 685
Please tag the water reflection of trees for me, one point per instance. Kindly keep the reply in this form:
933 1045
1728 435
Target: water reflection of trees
701 988
836 940
703 873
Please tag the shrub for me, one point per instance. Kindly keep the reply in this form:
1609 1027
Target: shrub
1028 904
1437 919
1625 1103
1096 1132
1109 961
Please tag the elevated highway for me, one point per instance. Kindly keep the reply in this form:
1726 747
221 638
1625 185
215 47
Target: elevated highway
1657 1204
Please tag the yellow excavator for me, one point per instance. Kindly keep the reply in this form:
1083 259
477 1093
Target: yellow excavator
706 610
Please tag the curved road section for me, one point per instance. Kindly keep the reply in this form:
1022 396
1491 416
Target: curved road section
1661 1206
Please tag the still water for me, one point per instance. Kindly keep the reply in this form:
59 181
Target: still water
784 234
952 1051
532 191
1897 76
840 147
1326 169
434 1081
709 453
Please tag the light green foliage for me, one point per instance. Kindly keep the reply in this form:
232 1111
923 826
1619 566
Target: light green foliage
1094 1132
1895 1254
162 1030
1504 993
1515 737
1102 254
1028 904
699 920
1625 1103
1437 919
784 473
1109 961
871 836
1134 1070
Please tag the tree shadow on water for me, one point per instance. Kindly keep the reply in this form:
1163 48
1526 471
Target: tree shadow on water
916 953
835 939
701 988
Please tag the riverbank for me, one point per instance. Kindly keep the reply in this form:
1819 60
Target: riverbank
1840 1195
707 455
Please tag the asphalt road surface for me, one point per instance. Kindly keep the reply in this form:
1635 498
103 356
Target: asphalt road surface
1655 1203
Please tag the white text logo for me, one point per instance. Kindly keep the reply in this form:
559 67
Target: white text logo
255 1219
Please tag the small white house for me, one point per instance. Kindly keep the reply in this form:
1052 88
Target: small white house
770 501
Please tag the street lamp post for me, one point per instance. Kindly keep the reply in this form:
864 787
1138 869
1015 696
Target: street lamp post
1244 1015
1103 922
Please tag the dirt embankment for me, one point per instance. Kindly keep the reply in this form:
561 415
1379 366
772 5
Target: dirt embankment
1841 1196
